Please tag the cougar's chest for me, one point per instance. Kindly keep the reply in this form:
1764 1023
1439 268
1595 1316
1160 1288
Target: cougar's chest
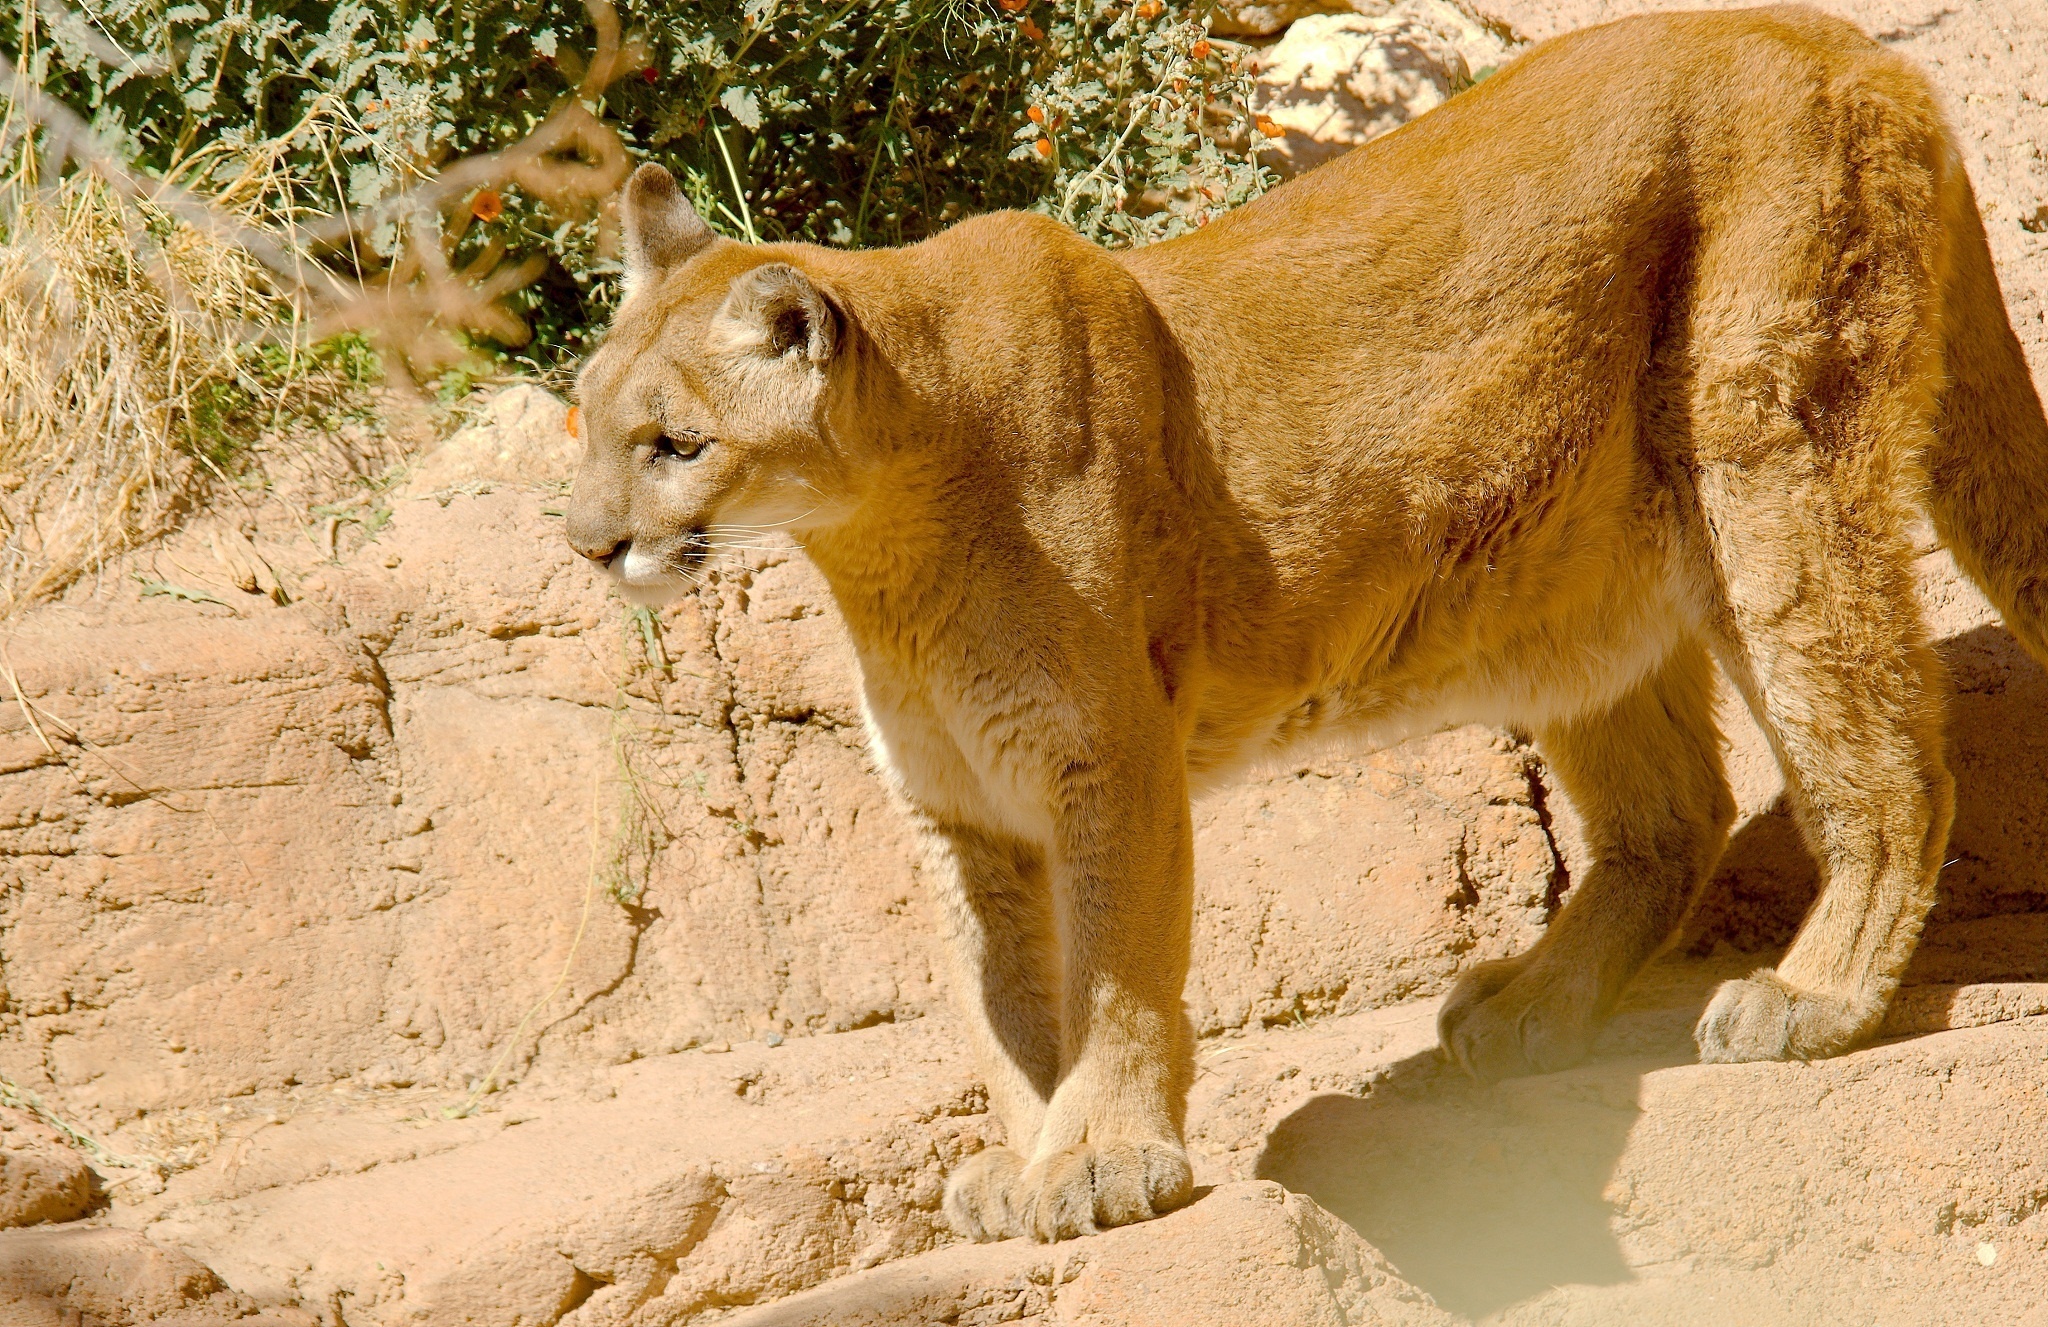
956 758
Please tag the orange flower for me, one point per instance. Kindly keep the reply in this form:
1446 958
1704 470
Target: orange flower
575 421
1036 114
1200 50
1032 30
1012 6
487 205
1044 148
1270 127
1150 8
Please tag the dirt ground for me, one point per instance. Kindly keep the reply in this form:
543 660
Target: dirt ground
395 931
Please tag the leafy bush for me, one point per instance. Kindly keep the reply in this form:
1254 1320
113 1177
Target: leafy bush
845 122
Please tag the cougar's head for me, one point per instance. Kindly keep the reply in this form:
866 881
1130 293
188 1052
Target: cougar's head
705 411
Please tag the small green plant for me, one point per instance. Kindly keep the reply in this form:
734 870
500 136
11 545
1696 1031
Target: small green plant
642 620
454 385
153 588
1130 111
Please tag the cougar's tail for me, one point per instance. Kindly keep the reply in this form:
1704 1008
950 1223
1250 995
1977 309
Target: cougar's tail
1988 467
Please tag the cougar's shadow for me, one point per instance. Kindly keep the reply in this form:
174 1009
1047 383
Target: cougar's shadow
1487 1195
1480 1195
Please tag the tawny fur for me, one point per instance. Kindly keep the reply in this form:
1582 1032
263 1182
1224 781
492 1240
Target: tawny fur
1642 355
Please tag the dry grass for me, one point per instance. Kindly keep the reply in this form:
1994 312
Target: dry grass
149 336
123 337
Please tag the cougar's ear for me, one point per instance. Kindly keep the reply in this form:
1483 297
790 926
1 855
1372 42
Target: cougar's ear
776 311
662 230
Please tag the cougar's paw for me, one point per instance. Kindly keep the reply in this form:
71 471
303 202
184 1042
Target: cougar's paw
1508 1017
1762 1017
1091 1186
983 1195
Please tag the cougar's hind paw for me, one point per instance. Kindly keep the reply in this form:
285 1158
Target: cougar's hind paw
1505 1020
1764 1017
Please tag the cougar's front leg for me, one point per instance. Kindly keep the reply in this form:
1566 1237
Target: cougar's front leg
994 908
1109 1149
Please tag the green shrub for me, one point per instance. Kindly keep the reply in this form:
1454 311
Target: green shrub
847 122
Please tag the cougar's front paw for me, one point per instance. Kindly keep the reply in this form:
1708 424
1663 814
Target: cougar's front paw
1091 1186
1763 1017
983 1196
1505 1019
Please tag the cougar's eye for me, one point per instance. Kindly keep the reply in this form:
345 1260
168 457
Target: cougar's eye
684 446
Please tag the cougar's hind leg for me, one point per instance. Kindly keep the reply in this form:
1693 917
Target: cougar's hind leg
1822 634
1815 355
1645 776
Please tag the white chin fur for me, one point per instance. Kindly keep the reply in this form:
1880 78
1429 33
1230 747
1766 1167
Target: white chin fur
645 581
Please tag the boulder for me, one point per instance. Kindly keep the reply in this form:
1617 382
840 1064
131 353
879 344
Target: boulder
1335 81
86 1277
806 1178
653 1193
453 807
1267 18
286 885
41 1177
518 435
1264 18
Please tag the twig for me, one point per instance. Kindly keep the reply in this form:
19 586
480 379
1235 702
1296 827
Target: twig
745 218
571 155
15 1095
1144 107
102 44
27 710
70 138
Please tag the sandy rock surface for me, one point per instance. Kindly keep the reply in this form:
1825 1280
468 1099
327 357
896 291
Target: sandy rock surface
85 1277
1264 18
458 946
1244 1252
1640 1187
653 1192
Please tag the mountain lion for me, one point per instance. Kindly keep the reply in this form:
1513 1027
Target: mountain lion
1641 356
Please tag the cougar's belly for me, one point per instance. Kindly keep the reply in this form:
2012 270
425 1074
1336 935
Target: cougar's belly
1569 654
1513 646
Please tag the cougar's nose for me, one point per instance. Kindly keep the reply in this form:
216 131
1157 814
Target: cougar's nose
600 551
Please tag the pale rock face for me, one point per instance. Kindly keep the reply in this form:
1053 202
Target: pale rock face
384 814
521 436
1338 80
73 1275
338 846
